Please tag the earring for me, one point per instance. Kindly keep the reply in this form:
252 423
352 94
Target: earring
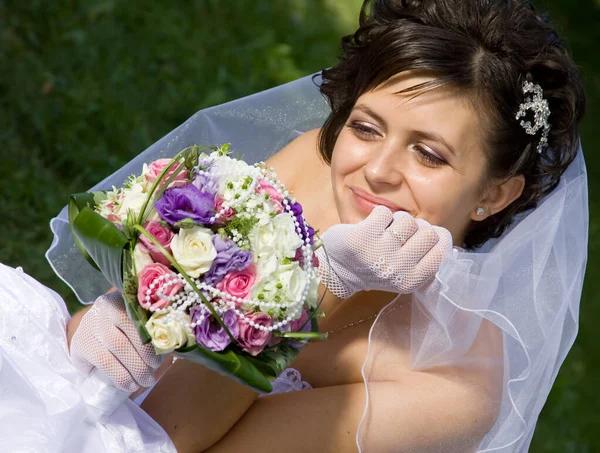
480 212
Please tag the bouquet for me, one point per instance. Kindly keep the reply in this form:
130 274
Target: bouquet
214 259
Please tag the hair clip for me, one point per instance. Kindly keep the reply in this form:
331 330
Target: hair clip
539 106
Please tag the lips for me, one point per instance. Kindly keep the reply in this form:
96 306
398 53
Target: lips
367 202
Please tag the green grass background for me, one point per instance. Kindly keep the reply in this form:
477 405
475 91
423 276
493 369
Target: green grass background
86 85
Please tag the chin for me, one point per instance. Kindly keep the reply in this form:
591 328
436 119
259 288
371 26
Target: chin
350 216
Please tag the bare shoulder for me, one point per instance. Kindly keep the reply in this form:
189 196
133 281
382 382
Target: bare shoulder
300 153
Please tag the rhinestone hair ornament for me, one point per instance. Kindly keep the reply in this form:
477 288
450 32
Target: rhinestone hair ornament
541 111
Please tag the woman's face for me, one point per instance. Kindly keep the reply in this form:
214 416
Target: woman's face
422 155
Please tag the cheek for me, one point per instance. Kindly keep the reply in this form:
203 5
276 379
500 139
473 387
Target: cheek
348 155
445 203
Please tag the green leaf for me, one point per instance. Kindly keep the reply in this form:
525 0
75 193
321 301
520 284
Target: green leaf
135 311
230 364
102 241
186 224
77 202
273 362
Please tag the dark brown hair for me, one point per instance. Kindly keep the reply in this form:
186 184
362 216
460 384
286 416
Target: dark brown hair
486 49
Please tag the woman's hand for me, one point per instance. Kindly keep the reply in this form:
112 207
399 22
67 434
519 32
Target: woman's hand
107 340
387 251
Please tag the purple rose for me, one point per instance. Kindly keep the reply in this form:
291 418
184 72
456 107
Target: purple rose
210 334
186 202
229 258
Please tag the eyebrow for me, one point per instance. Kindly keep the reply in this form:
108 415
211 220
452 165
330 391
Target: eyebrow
436 138
371 113
422 134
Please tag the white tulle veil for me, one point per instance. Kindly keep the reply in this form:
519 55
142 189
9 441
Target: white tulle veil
501 318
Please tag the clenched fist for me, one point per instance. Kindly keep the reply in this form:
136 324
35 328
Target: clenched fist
387 251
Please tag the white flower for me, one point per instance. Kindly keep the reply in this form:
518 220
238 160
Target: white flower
278 236
257 206
229 170
287 240
141 258
262 240
313 290
168 336
284 285
292 278
193 249
133 200
266 261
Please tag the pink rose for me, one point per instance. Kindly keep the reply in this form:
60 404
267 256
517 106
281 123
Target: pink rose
238 283
229 212
149 275
163 236
155 169
254 340
275 197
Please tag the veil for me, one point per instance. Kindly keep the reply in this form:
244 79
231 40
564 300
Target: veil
499 320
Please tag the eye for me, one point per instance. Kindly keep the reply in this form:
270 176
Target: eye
428 157
363 130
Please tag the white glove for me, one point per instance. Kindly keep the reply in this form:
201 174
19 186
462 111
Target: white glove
107 340
387 251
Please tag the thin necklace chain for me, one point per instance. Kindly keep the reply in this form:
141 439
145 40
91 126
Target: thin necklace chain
329 332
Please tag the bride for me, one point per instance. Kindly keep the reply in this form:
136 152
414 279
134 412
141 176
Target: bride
447 118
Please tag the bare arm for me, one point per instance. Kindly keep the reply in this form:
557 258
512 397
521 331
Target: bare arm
196 406
422 412
73 323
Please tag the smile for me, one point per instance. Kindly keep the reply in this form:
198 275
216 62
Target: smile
366 202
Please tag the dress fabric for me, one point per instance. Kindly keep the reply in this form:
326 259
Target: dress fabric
46 405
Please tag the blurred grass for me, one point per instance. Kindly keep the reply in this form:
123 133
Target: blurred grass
86 85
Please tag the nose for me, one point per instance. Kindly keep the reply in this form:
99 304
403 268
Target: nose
385 167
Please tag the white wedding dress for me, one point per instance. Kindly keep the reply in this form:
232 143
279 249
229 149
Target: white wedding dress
46 405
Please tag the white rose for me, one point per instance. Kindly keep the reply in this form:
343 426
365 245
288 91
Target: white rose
193 249
141 258
292 278
133 200
166 337
262 239
287 240
266 262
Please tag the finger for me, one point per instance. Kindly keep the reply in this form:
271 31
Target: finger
127 356
93 354
402 228
419 244
379 219
428 267
145 351
445 242
115 311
